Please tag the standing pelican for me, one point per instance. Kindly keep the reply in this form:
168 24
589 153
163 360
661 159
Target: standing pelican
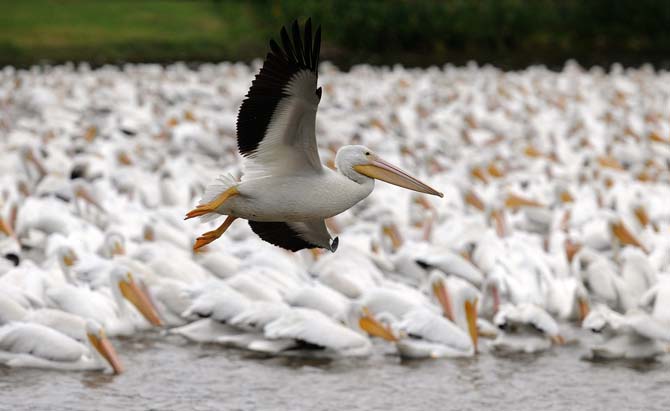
285 192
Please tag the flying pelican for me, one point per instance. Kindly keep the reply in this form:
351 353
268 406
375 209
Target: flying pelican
285 192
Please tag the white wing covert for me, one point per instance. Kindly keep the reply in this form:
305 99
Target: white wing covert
277 120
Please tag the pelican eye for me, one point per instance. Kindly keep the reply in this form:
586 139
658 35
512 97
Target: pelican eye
367 153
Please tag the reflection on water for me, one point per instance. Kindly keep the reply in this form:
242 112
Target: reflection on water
167 373
96 380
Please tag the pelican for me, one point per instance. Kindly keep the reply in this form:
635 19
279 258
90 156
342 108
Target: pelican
38 346
112 312
235 320
420 333
317 330
285 192
527 328
635 335
414 325
230 317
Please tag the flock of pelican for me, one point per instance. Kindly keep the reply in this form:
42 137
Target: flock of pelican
550 227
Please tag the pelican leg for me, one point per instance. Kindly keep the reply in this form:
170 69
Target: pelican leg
210 236
211 207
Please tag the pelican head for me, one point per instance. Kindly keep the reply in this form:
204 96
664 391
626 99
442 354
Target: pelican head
359 162
67 256
131 291
114 244
96 336
148 233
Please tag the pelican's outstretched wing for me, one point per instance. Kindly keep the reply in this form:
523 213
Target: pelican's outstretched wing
295 236
277 120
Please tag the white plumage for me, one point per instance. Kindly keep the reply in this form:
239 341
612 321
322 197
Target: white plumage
285 192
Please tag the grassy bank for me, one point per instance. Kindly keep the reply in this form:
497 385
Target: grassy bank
125 30
509 33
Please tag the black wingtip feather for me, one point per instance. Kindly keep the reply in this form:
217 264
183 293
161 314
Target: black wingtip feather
279 234
317 46
308 42
274 48
297 43
288 47
284 59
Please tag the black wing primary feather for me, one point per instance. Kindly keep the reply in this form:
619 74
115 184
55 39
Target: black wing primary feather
267 89
280 234
297 42
308 41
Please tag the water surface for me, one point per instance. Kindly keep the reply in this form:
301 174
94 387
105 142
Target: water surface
168 373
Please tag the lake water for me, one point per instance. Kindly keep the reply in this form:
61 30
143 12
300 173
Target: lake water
168 373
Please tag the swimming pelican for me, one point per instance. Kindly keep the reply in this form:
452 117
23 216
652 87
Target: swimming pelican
35 345
634 335
112 311
420 333
527 328
313 329
285 192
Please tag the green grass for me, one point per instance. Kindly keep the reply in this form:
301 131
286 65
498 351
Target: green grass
508 33
124 30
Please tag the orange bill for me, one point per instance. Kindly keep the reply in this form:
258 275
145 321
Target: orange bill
5 228
642 216
106 350
140 300
583 306
515 201
384 171
391 231
442 295
625 236
471 317
473 199
373 327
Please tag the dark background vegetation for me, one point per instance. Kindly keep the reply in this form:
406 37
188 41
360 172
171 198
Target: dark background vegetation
507 33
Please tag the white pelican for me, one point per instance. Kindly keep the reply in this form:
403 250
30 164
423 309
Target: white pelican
316 330
113 311
657 298
459 302
38 346
526 328
635 335
265 326
350 272
285 192
420 333
451 263
414 324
